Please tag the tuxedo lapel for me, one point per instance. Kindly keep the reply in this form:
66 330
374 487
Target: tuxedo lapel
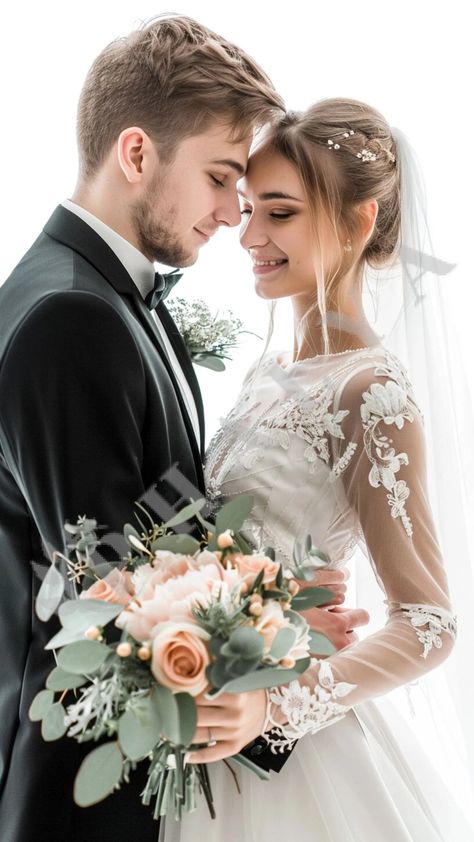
186 363
72 231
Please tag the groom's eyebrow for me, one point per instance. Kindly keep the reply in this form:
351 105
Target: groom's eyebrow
266 197
229 162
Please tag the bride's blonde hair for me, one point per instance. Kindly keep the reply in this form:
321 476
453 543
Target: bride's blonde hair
335 181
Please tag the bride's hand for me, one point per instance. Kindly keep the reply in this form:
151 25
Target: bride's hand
233 720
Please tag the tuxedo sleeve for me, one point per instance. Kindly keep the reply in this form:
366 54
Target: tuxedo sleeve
72 398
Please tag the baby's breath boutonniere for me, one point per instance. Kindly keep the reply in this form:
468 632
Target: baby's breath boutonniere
208 338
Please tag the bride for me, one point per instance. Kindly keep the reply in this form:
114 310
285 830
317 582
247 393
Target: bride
330 440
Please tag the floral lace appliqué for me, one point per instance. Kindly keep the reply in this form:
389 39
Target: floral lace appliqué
311 419
306 711
388 403
437 621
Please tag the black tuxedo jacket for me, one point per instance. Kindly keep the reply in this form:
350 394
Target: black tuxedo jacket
91 417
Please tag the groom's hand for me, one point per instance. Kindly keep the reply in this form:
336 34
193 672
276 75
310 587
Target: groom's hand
233 720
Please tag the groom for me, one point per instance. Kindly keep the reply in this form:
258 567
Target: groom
98 397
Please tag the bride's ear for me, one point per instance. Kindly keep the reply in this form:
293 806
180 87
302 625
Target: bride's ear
367 212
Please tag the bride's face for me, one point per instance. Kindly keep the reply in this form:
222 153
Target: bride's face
276 227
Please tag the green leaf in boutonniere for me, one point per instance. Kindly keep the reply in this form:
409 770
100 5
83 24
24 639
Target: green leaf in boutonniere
207 338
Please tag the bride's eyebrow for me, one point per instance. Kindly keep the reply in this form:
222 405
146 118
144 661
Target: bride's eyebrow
266 197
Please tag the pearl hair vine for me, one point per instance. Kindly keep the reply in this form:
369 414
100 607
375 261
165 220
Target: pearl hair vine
364 154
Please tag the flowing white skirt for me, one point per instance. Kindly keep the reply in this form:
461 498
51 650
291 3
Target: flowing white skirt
363 779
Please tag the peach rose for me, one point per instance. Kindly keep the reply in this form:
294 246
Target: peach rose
180 658
249 566
116 587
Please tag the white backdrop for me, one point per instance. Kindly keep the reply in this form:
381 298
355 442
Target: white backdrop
409 60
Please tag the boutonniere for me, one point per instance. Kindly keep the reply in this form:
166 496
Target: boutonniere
208 337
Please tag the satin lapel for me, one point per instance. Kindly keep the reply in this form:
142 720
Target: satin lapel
148 322
186 363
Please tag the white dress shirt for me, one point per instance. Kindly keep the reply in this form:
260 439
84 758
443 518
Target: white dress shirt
142 272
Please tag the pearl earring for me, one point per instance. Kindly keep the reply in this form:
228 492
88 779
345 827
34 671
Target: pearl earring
348 246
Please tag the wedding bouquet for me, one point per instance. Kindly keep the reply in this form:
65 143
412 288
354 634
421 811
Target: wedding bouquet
188 616
207 337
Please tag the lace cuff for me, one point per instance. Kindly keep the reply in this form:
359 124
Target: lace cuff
306 711
437 621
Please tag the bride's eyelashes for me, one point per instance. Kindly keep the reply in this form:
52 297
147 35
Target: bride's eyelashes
274 214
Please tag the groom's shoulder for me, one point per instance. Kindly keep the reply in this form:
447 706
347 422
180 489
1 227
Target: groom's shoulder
52 284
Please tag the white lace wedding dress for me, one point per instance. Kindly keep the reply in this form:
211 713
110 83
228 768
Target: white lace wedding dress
334 447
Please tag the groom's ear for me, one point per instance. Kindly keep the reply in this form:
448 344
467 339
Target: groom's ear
137 156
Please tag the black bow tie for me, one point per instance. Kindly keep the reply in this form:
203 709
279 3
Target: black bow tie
162 287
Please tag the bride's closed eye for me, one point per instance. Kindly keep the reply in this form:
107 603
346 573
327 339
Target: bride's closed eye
273 214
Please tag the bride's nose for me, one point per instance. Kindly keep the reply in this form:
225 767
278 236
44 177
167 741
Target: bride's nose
252 233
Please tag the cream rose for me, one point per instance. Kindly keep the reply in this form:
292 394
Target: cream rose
116 587
180 657
269 623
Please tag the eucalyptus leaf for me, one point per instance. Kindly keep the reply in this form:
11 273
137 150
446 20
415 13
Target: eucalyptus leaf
208 361
242 544
130 530
80 614
58 679
139 730
186 513
63 637
50 594
185 544
169 713
40 705
98 775
244 643
83 657
187 712
270 552
320 644
53 725
232 514
308 543
269 677
282 643
298 556
311 597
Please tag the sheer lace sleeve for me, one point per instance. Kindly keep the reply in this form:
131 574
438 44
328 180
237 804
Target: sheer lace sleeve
380 462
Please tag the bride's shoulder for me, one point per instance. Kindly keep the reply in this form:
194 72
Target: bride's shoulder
378 369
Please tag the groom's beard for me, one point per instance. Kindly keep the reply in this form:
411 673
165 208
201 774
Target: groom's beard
157 241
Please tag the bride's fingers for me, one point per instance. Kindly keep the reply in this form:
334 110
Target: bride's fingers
210 716
212 733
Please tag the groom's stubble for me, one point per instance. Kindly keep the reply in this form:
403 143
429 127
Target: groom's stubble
152 221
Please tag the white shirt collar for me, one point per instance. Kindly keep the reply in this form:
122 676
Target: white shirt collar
140 269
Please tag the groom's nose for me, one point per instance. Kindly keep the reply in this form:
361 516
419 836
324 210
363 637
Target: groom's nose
228 213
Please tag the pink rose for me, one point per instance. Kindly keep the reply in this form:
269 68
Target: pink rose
116 587
249 566
180 657
159 602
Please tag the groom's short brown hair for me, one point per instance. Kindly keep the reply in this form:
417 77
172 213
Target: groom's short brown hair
172 77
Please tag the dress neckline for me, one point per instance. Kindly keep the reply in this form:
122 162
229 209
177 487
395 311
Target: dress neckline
321 356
